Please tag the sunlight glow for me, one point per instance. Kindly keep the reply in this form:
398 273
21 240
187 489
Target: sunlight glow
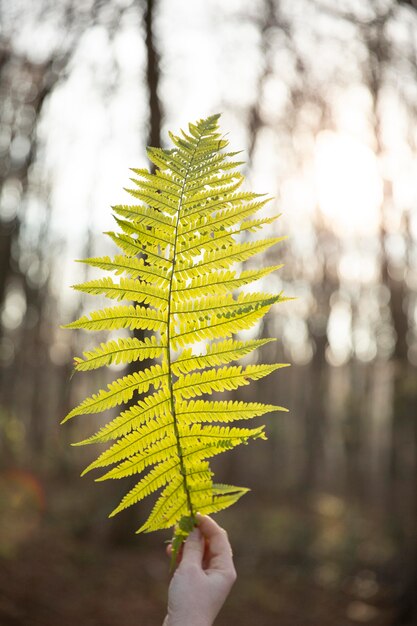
349 186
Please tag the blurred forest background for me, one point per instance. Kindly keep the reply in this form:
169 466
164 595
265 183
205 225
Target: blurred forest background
322 97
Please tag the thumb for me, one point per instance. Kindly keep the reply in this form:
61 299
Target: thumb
193 549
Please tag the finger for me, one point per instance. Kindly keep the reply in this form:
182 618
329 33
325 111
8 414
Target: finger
219 545
169 553
193 549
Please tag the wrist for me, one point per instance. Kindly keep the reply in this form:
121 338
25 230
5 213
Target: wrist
173 621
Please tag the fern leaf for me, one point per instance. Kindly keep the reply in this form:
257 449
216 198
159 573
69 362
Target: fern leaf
216 283
219 434
179 246
219 353
124 350
155 479
120 391
223 497
133 246
219 182
224 257
160 181
154 435
217 326
227 305
163 159
115 318
172 498
199 193
218 203
136 463
133 267
148 216
196 411
222 379
153 185
152 237
126 289
155 200
217 238
218 221
154 406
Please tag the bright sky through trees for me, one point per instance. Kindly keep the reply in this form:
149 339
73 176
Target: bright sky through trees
348 184
296 95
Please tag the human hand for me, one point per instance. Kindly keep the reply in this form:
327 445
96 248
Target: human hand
203 578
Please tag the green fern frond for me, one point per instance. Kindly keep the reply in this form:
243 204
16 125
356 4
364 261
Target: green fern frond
179 248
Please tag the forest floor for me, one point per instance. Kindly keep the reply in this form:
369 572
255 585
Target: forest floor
56 580
295 568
